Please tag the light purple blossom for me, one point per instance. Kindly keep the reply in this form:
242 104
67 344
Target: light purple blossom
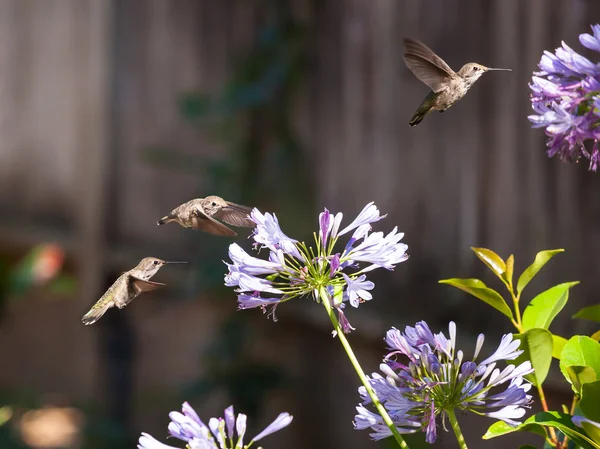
219 434
268 234
358 289
295 270
325 224
283 420
438 378
254 265
380 251
565 96
369 214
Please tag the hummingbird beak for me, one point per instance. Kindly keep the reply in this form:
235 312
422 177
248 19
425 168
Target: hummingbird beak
501 70
174 262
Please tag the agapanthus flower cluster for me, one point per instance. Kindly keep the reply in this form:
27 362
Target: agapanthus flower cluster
437 378
294 269
566 100
221 433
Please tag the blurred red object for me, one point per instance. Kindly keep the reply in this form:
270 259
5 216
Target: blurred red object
47 263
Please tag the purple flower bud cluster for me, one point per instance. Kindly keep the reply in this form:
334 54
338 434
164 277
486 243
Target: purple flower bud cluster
436 378
565 96
221 433
294 270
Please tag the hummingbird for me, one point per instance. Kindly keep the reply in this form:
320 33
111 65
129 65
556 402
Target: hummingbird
201 214
127 287
447 86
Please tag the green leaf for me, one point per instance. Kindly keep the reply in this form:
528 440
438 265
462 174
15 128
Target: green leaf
579 375
591 313
593 430
338 294
478 289
500 428
6 413
534 424
537 347
510 268
596 336
590 400
558 343
580 351
544 307
493 261
540 260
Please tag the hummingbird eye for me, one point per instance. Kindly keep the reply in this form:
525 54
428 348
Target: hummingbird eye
156 262
475 69
214 204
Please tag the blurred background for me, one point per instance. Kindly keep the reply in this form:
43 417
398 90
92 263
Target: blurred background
114 112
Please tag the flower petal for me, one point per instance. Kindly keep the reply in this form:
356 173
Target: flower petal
283 420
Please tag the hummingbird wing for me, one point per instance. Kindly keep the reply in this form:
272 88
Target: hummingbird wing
208 224
418 48
235 215
141 286
135 287
426 65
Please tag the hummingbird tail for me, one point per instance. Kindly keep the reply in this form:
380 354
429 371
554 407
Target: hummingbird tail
418 117
165 219
94 314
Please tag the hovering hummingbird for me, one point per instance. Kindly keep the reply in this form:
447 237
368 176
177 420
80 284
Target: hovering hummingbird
198 214
447 86
126 288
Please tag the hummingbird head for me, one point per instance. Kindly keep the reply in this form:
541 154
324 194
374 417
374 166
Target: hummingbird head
212 204
150 265
472 71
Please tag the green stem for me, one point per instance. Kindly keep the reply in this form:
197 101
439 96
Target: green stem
519 326
519 323
456 428
361 374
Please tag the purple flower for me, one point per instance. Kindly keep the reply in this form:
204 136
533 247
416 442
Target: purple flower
358 289
253 265
438 379
219 434
295 270
325 224
268 234
564 97
380 251
369 214
283 420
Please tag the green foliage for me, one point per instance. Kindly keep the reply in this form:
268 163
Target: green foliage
478 289
579 357
593 430
590 400
544 307
580 353
540 260
5 414
537 423
537 347
492 260
558 343
591 313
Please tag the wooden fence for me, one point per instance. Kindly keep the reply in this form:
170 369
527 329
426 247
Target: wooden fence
86 85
